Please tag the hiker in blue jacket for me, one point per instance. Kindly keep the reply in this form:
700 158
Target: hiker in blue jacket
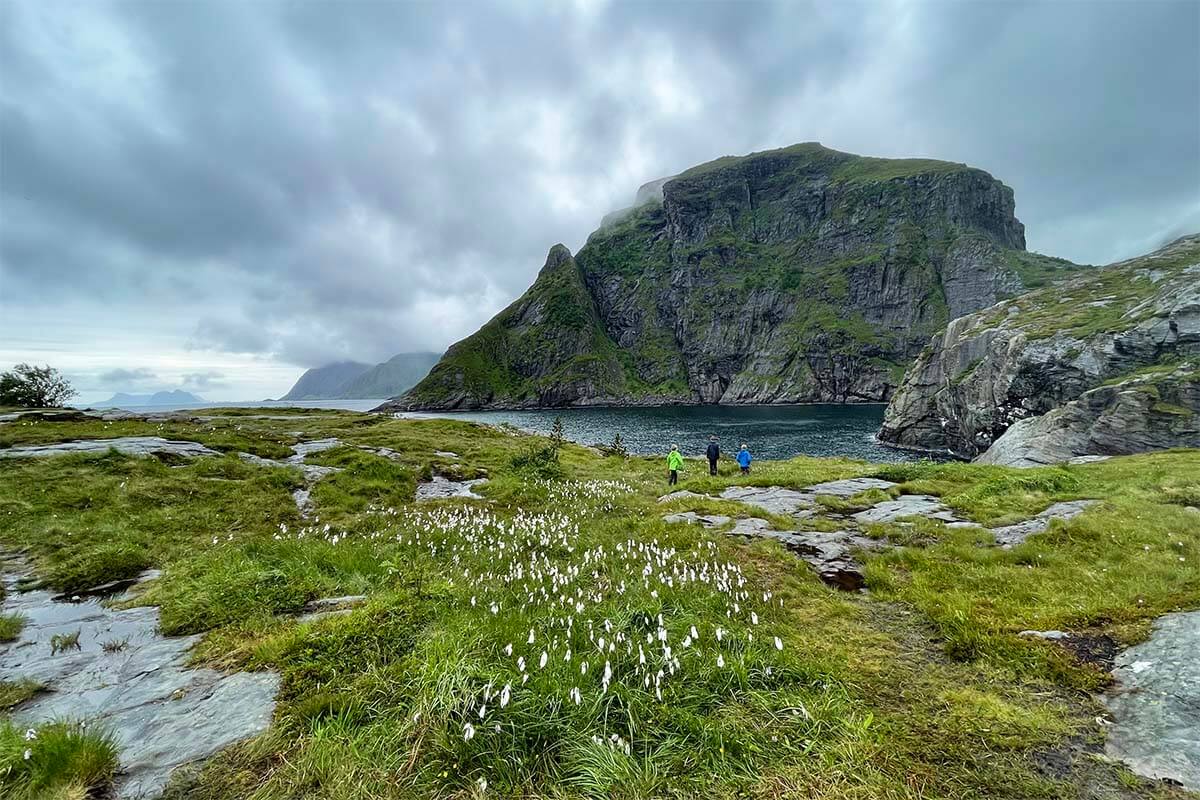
744 459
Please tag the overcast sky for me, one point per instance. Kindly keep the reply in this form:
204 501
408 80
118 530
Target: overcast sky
217 195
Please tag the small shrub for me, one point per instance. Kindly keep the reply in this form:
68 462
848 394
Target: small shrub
114 645
616 449
539 462
62 642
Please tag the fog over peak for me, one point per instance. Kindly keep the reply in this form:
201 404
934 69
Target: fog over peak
219 194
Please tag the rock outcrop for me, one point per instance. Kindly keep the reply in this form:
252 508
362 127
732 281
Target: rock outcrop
1107 362
794 275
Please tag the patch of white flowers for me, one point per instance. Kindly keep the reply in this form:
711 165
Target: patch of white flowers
529 571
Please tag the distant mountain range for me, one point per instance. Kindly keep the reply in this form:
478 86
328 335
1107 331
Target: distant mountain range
353 380
172 398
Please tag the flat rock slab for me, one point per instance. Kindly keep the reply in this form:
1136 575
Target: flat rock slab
774 499
1155 705
162 713
1010 535
302 450
909 505
438 488
849 487
312 472
131 445
707 520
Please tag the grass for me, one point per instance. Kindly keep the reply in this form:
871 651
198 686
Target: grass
13 693
11 626
57 760
920 689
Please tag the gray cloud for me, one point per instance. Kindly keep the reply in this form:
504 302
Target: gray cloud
127 376
204 380
304 182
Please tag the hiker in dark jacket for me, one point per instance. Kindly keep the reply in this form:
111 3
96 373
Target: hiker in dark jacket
713 453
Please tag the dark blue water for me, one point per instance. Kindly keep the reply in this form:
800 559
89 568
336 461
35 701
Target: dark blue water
769 431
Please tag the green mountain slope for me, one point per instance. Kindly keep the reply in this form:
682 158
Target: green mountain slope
795 275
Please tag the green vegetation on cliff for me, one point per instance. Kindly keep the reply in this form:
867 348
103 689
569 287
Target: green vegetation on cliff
790 275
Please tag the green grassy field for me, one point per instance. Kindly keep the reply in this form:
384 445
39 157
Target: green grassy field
559 640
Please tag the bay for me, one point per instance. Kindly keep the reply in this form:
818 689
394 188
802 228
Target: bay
778 431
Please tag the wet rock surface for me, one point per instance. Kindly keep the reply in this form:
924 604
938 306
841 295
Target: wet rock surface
908 505
438 488
1010 535
1155 705
707 520
131 445
774 499
162 713
848 487
829 553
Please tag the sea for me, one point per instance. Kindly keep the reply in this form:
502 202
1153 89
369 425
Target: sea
777 431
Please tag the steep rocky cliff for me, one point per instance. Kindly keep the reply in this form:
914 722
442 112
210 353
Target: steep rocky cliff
794 275
1110 357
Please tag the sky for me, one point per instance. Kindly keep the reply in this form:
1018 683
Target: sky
217 195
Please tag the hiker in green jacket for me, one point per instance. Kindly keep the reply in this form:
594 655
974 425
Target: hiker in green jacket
674 464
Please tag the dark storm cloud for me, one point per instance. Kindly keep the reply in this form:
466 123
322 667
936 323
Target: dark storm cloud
312 181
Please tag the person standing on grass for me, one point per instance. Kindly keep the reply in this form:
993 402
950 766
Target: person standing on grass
713 453
744 459
674 464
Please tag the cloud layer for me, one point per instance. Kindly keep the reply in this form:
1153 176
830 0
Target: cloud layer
226 187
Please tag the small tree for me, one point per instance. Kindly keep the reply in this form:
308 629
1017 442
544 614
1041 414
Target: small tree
617 448
34 387
557 436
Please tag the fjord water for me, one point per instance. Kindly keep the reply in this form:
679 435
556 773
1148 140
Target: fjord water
777 431
781 431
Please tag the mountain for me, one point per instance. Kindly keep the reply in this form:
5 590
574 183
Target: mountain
1107 362
322 383
353 380
795 275
175 397
396 375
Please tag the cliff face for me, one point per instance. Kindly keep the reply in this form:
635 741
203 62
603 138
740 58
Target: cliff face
1109 357
794 275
